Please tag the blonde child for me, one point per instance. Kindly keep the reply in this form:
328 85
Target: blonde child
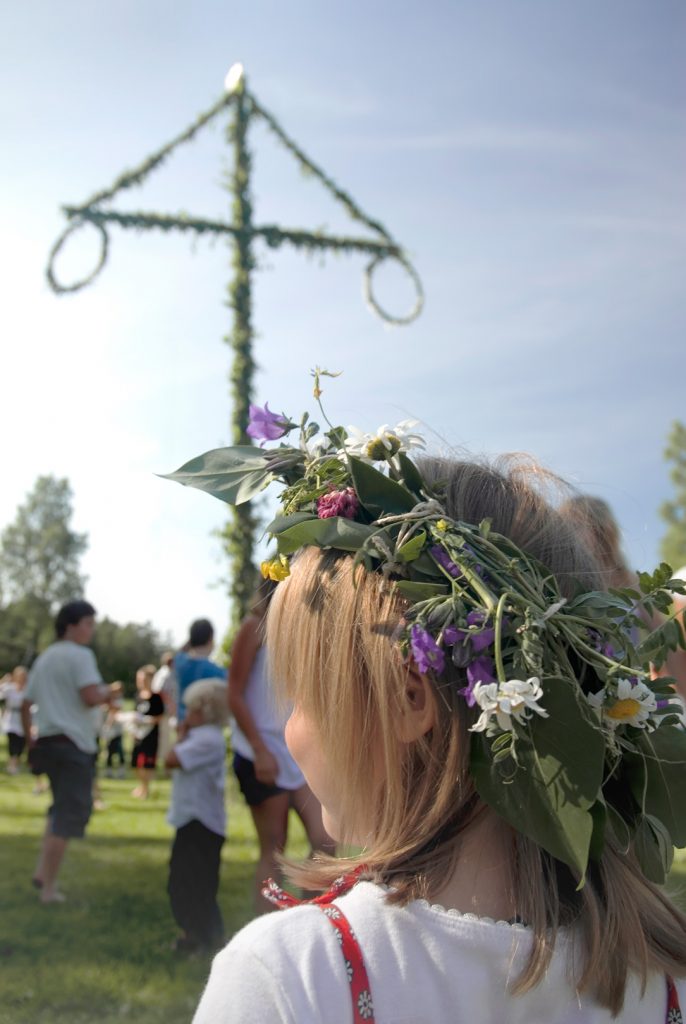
476 720
198 814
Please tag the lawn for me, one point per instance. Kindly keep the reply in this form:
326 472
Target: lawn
105 955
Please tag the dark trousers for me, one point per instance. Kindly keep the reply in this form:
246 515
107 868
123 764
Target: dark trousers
115 748
194 882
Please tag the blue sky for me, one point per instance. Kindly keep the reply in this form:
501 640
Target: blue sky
530 157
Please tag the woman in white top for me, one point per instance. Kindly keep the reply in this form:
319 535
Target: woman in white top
269 778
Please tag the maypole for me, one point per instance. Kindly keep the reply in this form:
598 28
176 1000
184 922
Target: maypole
238 535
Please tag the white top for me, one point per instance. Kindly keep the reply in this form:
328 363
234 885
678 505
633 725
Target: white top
13 697
426 965
54 683
270 720
198 786
164 682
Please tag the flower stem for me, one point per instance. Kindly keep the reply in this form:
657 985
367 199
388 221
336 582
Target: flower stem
500 667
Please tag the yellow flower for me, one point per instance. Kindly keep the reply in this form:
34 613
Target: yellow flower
442 525
624 710
276 569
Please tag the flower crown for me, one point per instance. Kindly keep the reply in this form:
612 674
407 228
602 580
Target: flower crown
574 742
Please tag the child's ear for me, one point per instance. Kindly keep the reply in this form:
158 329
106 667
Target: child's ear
418 714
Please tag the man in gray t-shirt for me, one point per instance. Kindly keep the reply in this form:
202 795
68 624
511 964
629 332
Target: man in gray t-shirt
65 685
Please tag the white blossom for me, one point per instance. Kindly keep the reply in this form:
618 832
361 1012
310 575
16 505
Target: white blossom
385 443
516 698
633 703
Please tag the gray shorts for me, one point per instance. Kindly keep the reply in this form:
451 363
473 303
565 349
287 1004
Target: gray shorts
70 771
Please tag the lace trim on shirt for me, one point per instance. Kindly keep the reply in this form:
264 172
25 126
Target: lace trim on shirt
461 915
452 912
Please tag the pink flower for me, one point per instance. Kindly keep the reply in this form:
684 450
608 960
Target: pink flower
338 503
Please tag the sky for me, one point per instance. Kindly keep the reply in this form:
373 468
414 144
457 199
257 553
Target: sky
530 158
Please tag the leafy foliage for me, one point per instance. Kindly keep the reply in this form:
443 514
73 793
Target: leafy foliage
572 738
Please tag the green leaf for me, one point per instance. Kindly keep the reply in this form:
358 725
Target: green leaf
411 476
553 790
416 592
234 475
485 528
657 776
378 493
412 548
281 523
335 532
598 604
654 849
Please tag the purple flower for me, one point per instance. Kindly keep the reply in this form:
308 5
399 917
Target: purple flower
444 560
451 634
479 639
427 655
481 670
338 503
266 425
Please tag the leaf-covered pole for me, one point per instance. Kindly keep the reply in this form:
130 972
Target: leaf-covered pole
96 213
238 535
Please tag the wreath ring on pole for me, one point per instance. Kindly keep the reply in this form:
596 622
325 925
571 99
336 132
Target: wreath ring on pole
368 290
57 247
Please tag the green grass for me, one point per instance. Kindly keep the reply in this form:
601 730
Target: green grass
105 955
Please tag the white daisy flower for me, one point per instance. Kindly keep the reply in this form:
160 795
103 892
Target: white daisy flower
385 443
516 698
632 704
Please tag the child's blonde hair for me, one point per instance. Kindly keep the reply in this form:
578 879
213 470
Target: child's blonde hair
209 696
330 635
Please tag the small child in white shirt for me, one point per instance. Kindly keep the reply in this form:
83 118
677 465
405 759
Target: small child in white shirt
198 814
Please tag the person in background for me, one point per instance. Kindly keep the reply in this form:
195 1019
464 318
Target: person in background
113 732
600 531
65 685
164 683
12 692
193 662
198 814
269 778
148 714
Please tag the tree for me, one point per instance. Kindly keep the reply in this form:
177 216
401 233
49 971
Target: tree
673 547
120 650
26 627
39 563
39 552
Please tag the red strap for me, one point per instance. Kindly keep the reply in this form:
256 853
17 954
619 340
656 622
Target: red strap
674 1015
360 989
